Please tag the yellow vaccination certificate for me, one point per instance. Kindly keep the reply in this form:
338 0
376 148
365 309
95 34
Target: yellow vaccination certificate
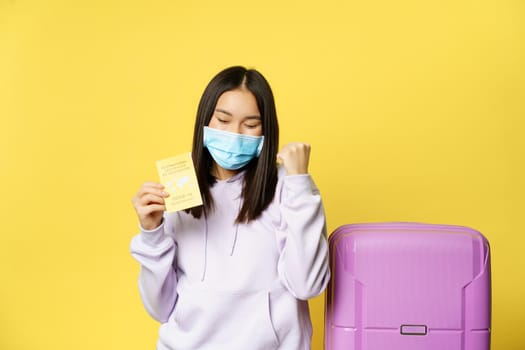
177 174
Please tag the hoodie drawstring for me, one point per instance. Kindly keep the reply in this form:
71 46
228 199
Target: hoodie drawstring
234 244
234 239
205 246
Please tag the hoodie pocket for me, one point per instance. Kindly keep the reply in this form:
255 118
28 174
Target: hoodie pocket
208 319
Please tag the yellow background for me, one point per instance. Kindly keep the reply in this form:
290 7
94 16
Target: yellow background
414 110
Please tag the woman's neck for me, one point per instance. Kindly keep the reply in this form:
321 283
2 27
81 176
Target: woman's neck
221 173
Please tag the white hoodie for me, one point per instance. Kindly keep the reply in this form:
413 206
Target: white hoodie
217 285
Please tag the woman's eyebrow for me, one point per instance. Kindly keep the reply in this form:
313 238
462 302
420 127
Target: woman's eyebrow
231 115
223 111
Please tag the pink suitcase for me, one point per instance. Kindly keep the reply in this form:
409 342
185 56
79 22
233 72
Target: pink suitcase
408 286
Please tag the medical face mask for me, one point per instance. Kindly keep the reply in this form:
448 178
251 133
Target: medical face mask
230 150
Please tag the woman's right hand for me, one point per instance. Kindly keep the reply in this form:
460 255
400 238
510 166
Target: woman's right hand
149 204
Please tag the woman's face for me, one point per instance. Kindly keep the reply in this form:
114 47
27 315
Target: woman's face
236 111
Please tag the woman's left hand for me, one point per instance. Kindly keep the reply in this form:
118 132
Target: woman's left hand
295 157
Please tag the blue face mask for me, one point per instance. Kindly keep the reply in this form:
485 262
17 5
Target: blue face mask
230 150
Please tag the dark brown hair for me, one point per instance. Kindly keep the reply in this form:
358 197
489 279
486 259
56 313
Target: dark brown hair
260 178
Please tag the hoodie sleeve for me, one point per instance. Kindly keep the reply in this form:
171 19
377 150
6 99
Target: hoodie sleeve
303 262
155 251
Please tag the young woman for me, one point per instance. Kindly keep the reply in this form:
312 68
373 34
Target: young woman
235 273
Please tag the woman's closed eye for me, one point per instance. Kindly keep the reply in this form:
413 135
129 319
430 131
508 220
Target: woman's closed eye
221 120
252 125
